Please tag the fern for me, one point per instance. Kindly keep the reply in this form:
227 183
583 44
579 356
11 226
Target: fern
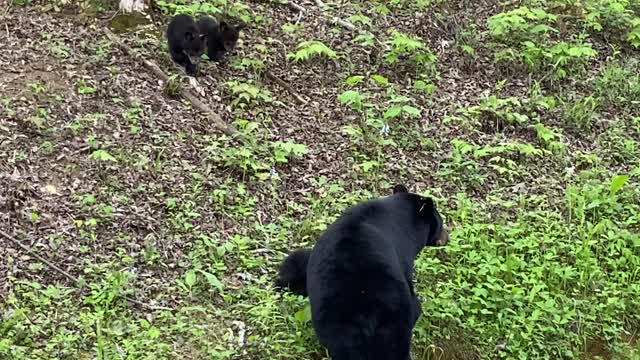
415 49
522 23
352 98
552 140
634 34
309 49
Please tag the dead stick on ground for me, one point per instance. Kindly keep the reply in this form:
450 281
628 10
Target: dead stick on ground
186 93
295 7
69 276
287 87
6 11
331 19
27 249
345 24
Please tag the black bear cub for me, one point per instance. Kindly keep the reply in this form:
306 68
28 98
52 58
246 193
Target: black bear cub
221 37
186 42
359 276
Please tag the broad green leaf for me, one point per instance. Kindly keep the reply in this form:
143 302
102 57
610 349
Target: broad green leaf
351 80
213 280
380 79
413 111
617 183
190 278
102 156
392 112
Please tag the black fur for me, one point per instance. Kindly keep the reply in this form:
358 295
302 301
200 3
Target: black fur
221 37
359 276
186 43
293 272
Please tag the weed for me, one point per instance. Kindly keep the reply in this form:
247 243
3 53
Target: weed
85 89
581 112
530 146
402 45
550 139
523 35
256 156
618 84
310 49
235 9
248 94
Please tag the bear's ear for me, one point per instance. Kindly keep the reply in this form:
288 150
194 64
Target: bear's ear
426 207
400 189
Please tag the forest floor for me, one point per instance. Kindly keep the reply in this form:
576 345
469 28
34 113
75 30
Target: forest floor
522 122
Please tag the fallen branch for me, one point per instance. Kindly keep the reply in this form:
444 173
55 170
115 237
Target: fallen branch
287 87
218 123
333 20
295 7
27 249
330 19
69 276
345 24
81 150
6 11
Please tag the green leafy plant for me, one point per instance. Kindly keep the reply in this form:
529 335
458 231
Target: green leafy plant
290 28
246 63
495 112
618 83
633 36
582 112
311 49
102 155
551 139
521 24
134 115
524 35
234 9
248 94
402 45
256 156
85 89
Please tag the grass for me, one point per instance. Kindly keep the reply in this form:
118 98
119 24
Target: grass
521 119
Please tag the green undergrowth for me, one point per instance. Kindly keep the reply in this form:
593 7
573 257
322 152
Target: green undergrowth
521 120
525 276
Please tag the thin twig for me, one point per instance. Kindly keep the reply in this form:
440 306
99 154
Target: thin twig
295 7
115 14
81 150
27 249
186 93
287 87
6 11
69 276
345 24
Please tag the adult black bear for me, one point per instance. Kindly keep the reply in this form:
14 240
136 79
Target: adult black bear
186 42
359 276
221 37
